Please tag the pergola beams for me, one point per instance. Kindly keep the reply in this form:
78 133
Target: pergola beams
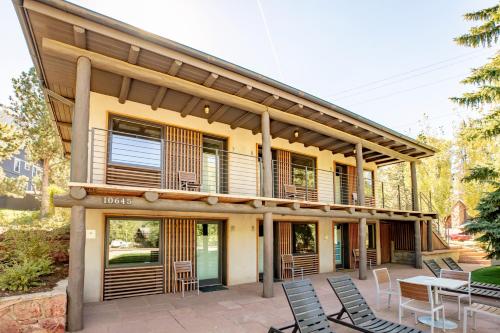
80 37
190 105
133 55
160 93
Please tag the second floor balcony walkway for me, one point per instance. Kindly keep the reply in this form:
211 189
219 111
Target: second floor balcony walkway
206 166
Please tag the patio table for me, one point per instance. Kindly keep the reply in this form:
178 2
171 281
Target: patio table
436 283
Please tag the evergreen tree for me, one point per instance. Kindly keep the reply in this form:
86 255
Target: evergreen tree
485 78
30 115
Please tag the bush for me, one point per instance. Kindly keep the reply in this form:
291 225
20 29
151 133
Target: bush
22 276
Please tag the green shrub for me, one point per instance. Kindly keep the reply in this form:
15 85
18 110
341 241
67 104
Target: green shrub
22 276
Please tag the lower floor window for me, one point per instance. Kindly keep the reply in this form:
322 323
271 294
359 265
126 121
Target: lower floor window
133 241
371 236
304 238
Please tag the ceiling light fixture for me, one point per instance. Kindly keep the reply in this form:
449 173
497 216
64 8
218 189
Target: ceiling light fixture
207 109
296 133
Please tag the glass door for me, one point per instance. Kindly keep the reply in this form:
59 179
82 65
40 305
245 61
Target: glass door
339 245
341 185
214 165
209 252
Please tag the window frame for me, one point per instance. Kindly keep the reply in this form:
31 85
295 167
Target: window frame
141 218
294 253
138 122
17 161
27 166
313 170
373 237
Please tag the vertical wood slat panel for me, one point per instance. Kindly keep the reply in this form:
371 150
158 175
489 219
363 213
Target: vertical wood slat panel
284 170
402 233
371 254
183 152
180 245
285 244
351 183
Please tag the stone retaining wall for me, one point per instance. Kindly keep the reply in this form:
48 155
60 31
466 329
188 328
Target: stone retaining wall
40 312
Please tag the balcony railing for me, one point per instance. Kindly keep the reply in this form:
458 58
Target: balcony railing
124 159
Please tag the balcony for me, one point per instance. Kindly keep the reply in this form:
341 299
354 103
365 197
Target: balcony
126 160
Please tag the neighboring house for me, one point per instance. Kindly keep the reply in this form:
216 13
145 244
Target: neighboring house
458 215
19 165
194 158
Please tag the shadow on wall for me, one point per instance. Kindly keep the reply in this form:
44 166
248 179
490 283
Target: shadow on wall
29 202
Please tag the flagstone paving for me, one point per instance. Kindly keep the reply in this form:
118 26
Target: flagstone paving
242 309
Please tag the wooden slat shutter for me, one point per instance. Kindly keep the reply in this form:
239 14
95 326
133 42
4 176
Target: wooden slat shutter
284 244
283 170
183 152
180 245
371 254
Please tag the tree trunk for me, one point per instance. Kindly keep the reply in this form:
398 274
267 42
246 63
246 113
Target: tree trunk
45 199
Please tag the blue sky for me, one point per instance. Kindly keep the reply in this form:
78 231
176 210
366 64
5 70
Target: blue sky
389 60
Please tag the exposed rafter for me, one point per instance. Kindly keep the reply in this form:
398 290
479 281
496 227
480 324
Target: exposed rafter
242 120
188 108
80 37
310 140
160 93
316 115
268 101
133 55
294 109
223 108
63 124
282 130
303 137
67 101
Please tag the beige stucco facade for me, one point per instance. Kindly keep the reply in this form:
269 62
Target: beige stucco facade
241 229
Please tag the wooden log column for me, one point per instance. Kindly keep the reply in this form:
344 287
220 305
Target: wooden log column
79 166
267 174
418 245
429 236
361 202
414 186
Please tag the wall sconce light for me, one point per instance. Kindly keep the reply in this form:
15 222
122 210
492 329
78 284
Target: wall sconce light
296 133
207 109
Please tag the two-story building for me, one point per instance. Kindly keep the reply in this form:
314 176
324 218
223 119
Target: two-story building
178 155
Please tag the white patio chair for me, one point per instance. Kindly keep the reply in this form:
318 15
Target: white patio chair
384 285
483 309
418 300
457 275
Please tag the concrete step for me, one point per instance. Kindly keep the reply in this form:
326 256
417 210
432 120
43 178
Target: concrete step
477 261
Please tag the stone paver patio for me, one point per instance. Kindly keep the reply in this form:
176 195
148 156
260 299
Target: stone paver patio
241 309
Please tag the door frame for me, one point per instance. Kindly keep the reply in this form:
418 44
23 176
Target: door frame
221 280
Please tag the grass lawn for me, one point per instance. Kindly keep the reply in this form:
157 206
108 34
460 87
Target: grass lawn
487 274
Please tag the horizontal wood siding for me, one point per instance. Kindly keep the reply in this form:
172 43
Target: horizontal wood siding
132 281
133 176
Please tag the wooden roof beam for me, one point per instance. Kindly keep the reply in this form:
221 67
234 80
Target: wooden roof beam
190 105
133 55
223 108
268 101
306 137
282 130
63 124
161 92
80 37
242 120
99 61
67 101
294 109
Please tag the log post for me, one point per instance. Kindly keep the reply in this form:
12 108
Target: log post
79 166
429 236
414 186
267 175
361 202
418 245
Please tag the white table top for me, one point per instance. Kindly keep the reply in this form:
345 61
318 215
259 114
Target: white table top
436 282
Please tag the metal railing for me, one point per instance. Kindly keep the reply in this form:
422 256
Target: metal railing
126 159
439 224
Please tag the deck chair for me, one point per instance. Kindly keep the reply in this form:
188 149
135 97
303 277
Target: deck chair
454 266
188 181
306 308
361 317
475 290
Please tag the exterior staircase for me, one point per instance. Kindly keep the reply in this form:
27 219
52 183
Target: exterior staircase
473 255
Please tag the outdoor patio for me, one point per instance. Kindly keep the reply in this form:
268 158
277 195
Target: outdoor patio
241 309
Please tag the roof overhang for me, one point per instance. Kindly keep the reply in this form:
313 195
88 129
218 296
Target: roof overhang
57 32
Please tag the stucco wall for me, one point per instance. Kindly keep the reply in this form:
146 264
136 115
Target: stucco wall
241 245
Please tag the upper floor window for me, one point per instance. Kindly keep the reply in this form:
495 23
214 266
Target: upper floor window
135 144
27 166
17 165
368 187
303 171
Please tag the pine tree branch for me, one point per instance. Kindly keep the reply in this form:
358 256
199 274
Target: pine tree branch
487 74
484 35
483 14
485 95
